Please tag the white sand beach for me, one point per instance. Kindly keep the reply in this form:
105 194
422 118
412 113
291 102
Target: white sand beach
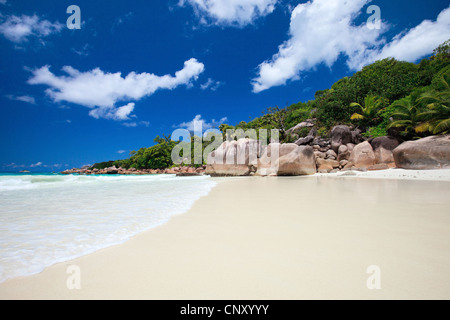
278 238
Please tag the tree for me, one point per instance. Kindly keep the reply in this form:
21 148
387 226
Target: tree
406 116
442 51
369 113
437 113
277 117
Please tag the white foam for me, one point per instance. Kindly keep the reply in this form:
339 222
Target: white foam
48 219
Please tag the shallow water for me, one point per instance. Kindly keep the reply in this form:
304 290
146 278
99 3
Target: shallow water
50 218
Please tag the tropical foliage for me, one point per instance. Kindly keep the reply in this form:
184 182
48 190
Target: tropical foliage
387 97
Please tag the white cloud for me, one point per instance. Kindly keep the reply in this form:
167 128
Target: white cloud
198 124
319 32
135 124
3 1
39 164
27 99
211 84
121 113
19 29
130 124
121 151
323 30
101 91
231 12
414 44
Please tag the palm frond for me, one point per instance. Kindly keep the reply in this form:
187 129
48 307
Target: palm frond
441 126
423 127
401 115
355 104
357 116
399 124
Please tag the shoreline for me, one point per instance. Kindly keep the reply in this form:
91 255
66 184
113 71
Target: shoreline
223 249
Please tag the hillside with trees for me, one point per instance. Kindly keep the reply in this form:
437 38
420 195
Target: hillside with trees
389 97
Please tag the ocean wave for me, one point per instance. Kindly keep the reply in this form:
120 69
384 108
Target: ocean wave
56 218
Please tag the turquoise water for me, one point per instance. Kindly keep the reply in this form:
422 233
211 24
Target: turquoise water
50 218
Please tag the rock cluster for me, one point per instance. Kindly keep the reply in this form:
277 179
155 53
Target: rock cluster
427 153
180 171
344 150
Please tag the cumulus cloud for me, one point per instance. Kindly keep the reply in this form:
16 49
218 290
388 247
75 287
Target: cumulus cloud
19 29
231 12
112 113
199 125
323 30
100 91
211 85
414 43
319 32
27 99
38 164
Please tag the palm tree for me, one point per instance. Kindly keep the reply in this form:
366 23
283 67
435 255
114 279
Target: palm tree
407 115
437 114
370 111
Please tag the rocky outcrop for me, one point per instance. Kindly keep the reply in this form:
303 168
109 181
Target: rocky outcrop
343 153
298 162
185 171
382 147
234 158
326 165
424 154
304 141
243 158
308 140
340 135
309 123
357 136
267 162
112 170
362 156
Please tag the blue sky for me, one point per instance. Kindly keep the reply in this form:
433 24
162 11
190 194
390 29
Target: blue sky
137 69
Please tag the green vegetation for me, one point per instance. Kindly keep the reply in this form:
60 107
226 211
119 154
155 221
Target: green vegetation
387 97
370 112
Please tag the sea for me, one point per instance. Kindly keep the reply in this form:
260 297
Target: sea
46 218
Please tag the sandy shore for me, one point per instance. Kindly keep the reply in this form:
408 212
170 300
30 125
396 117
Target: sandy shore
278 238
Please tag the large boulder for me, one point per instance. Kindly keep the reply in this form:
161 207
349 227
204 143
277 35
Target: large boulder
234 158
343 153
112 170
357 136
326 165
287 160
382 147
362 156
427 153
267 162
340 135
304 141
309 123
299 162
